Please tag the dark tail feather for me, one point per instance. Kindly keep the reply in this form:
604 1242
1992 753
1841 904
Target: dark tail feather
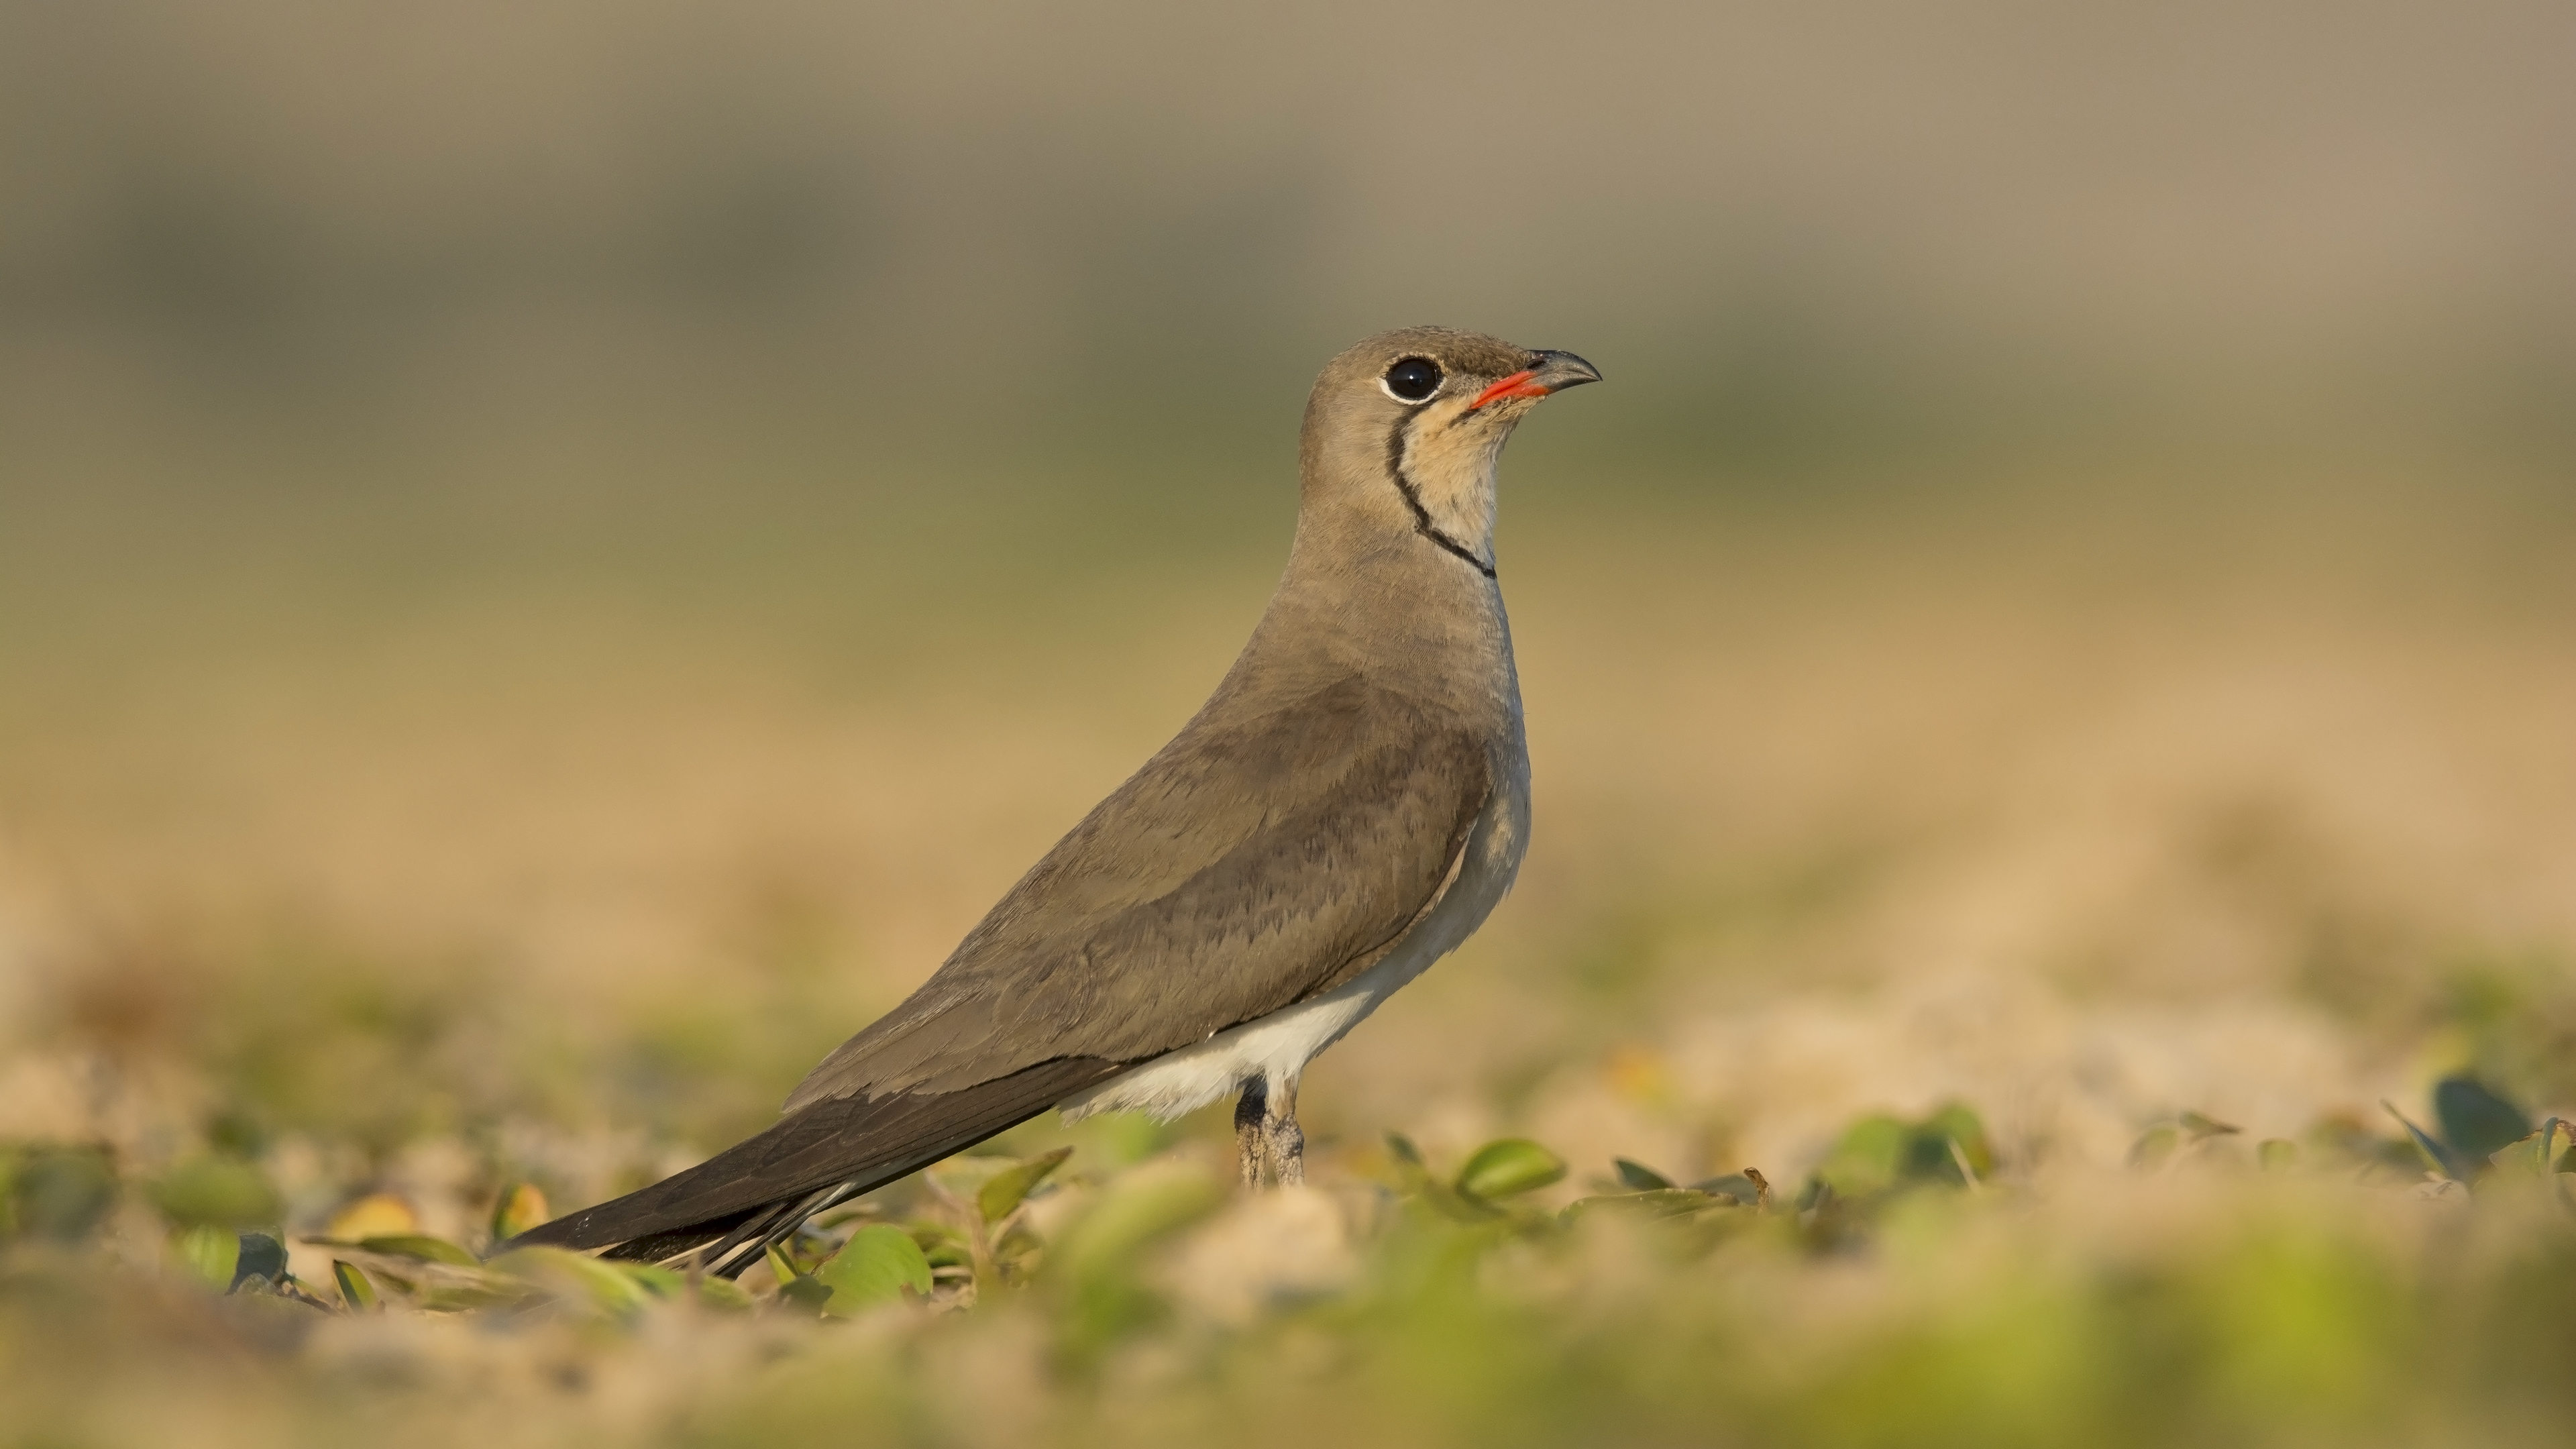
724 1248
791 1170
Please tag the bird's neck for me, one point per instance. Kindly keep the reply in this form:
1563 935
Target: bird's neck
1371 595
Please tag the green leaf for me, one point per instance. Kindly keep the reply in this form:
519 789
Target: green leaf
1958 1137
875 1266
2434 1152
800 1289
2550 1132
1002 1192
1506 1167
1640 1177
666 1283
1869 1158
1881 1154
259 1256
61 1192
2276 1153
1015 1251
355 1291
421 1246
1655 1206
1134 1211
806 1293
941 1245
2475 1122
1413 1176
724 1295
577 1278
1744 1187
223 1191
1410 1170
2200 1126
2530 1157
208 1253
484 1290
2154 1145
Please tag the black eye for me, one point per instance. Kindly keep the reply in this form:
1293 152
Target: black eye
1413 379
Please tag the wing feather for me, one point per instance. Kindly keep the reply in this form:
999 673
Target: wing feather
1259 859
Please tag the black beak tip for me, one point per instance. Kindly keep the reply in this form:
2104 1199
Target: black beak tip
1558 371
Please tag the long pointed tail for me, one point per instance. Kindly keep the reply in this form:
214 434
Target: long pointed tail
759 1190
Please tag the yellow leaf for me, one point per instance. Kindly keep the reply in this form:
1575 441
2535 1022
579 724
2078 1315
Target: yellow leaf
520 1207
377 1215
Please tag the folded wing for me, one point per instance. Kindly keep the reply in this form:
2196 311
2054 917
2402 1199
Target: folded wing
1272 851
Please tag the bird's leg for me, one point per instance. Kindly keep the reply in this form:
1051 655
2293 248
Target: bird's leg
1250 1114
1284 1140
1268 1141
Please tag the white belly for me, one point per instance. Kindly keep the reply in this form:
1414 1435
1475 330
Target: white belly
1278 1046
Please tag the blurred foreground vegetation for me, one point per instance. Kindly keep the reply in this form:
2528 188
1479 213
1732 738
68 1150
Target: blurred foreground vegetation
2355 1287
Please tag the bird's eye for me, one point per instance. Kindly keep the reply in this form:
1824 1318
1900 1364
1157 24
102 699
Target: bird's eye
1412 379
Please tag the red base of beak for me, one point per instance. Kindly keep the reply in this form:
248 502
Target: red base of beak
1516 385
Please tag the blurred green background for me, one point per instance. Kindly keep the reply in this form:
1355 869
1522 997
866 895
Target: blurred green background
553 560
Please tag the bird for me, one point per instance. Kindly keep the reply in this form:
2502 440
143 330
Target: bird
1346 808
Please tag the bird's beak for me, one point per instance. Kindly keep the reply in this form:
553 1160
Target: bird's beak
1556 371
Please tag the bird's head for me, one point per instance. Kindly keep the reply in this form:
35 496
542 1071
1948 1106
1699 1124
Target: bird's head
1405 428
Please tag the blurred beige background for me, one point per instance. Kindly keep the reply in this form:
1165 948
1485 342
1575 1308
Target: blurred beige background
552 562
